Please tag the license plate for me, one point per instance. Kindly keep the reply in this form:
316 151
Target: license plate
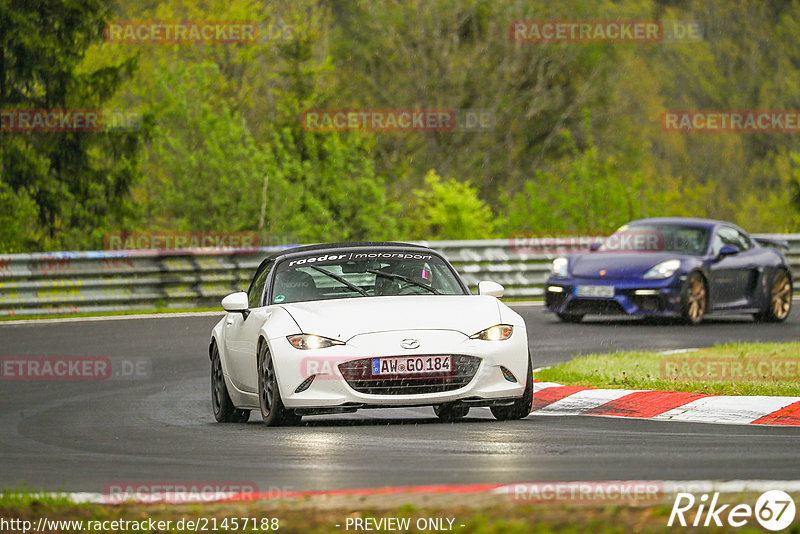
595 291
421 365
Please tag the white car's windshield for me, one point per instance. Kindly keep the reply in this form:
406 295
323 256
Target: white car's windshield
323 276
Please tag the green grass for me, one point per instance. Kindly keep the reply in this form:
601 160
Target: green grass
651 370
479 514
25 497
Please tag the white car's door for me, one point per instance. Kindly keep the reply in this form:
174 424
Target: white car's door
241 337
241 334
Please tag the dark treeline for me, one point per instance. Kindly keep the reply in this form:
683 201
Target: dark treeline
212 138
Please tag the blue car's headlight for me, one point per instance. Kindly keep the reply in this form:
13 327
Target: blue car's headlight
665 269
559 267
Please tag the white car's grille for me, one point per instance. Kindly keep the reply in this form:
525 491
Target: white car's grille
358 374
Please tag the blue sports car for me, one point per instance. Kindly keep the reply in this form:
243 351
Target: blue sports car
673 267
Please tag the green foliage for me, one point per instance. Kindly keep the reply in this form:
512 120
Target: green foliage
577 143
79 182
17 218
583 192
328 190
203 170
445 55
222 159
449 209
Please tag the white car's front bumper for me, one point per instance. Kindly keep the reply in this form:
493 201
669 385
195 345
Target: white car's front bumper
330 389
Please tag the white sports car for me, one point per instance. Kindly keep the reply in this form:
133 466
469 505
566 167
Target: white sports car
334 328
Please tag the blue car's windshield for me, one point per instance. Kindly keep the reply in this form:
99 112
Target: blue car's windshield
658 238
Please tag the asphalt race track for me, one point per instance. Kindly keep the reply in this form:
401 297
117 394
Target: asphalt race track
81 436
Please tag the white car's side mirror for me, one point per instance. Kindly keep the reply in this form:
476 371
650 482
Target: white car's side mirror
493 289
236 302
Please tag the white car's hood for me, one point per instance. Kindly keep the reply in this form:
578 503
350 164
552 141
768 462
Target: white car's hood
344 318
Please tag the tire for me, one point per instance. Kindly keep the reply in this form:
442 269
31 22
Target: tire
694 299
269 396
522 406
778 302
221 404
570 317
449 412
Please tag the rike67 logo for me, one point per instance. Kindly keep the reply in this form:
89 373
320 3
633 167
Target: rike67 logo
774 510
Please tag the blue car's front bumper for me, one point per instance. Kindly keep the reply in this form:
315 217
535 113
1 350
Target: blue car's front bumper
630 297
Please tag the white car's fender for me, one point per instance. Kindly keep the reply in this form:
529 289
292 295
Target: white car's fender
270 322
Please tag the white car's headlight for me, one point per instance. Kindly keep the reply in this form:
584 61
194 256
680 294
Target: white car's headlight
665 269
559 267
497 332
312 342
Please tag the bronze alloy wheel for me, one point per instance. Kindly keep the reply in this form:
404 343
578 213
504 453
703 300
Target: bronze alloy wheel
777 298
694 299
781 296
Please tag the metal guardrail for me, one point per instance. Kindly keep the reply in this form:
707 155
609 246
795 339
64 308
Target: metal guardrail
128 280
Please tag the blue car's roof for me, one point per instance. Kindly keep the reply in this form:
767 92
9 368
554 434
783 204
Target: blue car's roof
683 221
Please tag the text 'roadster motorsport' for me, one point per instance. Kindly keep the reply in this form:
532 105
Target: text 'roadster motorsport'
336 328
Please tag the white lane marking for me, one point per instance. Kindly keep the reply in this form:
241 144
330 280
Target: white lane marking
727 409
114 317
676 351
579 402
729 486
670 487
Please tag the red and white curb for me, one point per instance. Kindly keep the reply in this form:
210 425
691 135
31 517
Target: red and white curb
614 489
550 398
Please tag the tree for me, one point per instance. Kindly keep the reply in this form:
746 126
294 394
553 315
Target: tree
229 153
449 209
443 55
203 170
78 180
584 193
17 219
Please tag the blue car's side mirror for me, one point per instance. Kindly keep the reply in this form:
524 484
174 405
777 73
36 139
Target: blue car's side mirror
594 247
727 250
